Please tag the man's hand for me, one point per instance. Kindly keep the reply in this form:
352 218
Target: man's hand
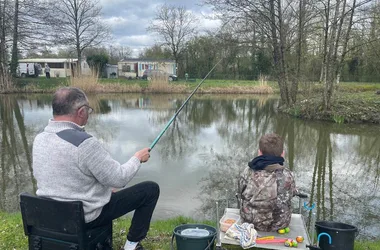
143 155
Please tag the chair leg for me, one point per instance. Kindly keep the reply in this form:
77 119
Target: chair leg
74 247
36 243
220 248
99 246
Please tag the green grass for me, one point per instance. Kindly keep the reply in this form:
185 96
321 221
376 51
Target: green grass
12 232
349 87
159 236
206 84
46 84
345 87
41 83
355 87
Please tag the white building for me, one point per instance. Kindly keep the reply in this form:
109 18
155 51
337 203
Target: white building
134 68
60 67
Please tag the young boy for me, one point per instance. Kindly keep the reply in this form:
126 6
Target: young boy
267 187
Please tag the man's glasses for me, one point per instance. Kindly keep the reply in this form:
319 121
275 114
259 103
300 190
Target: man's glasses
89 109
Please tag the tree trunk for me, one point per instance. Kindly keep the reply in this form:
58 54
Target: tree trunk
331 63
5 81
2 40
345 43
79 65
322 75
337 73
325 41
14 61
276 52
283 72
296 80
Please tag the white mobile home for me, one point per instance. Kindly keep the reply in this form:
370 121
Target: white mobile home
134 68
59 67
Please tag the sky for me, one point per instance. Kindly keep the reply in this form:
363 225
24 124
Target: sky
128 20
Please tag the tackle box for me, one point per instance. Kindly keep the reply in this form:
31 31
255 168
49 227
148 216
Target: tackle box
228 220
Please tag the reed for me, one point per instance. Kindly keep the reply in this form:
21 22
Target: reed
91 84
258 89
88 83
263 80
338 118
160 84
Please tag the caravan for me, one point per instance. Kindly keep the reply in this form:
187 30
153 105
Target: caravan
59 67
28 69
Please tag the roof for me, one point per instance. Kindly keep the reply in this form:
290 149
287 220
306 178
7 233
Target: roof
111 65
146 60
48 60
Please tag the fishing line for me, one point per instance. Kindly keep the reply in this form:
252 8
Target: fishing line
179 110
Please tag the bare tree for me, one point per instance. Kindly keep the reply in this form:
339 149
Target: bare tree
339 19
175 25
14 61
4 26
77 23
156 52
300 49
276 21
114 53
117 53
29 28
5 33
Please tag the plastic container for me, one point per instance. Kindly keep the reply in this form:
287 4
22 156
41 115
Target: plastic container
342 235
194 241
228 220
195 232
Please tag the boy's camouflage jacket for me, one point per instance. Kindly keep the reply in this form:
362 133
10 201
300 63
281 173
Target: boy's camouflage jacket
266 197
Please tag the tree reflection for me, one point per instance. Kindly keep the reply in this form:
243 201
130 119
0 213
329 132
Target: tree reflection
16 162
16 143
241 135
338 167
207 111
323 160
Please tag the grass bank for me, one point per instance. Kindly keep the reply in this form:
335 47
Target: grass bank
353 103
159 236
156 85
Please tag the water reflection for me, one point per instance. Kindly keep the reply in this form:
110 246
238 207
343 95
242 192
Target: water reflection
337 166
15 162
201 155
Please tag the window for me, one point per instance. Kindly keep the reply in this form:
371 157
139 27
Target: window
56 65
126 68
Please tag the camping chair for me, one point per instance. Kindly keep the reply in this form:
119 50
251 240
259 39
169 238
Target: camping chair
58 225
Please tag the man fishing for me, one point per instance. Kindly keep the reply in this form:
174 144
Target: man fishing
70 165
267 187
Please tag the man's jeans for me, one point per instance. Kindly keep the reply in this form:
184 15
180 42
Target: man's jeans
142 198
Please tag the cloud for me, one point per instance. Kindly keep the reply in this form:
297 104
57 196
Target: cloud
129 20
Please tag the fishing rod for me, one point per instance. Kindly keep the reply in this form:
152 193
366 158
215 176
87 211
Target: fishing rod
179 110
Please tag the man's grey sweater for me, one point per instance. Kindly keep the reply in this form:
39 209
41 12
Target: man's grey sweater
71 165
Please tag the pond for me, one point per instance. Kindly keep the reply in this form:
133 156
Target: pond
199 158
